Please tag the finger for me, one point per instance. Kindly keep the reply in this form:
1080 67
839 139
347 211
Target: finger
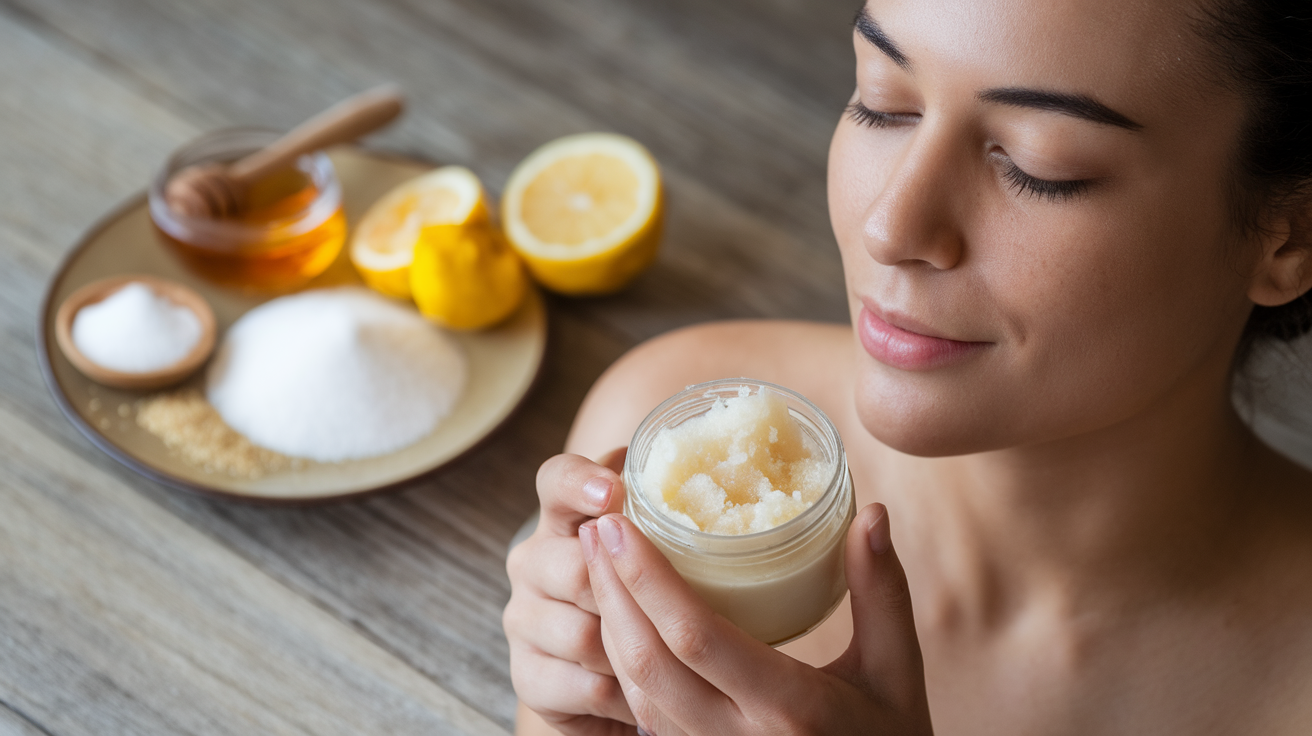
724 655
638 648
560 691
885 650
560 630
554 567
650 719
530 723
573 489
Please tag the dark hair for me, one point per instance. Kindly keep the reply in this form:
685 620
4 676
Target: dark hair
1265 50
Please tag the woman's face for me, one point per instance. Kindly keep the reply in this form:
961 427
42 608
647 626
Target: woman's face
1030 200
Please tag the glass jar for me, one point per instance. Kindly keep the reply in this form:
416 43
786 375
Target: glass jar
291 230
777 584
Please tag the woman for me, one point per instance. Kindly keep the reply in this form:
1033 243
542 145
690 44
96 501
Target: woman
1062 224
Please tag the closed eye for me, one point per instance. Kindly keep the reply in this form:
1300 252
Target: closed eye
1019 181
1053 191
862 115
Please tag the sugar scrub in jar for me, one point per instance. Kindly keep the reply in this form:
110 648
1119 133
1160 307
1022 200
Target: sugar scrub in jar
743 486
289 231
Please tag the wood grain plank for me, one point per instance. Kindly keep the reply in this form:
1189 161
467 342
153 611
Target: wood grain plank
70 649
120 618
741 95
745 94
73 144
13 723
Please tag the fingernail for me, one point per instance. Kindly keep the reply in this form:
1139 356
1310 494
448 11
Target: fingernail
588 540
598 491
643 732
880 537
611 536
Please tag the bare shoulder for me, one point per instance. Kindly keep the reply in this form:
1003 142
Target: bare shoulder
812 358
1277 595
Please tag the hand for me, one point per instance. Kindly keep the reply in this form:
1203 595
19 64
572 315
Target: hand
557 662
687 670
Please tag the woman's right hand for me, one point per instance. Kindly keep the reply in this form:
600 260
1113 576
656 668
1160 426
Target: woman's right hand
557 662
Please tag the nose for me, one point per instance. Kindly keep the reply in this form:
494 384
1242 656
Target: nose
911 219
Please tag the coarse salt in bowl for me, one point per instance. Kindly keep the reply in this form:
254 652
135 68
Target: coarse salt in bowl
135 330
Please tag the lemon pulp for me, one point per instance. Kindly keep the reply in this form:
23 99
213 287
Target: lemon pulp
585 212
382 248
597 191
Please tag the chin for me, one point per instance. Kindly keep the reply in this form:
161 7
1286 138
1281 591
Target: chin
931 417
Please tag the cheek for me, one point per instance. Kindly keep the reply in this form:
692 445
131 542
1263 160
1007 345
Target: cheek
1099 308
1105 310
857 164
1140 283
845 181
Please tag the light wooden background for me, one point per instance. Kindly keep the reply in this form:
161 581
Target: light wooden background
127 608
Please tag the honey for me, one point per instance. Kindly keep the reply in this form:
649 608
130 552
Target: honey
290 229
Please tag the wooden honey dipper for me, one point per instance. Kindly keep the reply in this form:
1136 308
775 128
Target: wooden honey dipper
216 190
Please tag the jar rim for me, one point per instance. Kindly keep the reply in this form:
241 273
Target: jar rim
672 531
230 144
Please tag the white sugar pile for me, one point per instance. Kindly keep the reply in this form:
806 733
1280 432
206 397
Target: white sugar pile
135 330
335 374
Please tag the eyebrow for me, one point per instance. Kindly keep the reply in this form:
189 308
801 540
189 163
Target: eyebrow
1080 106
870 31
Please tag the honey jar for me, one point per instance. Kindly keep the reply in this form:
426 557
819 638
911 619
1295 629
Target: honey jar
289 231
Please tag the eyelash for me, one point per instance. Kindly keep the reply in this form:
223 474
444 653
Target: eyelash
862 115
1023 184
1052 191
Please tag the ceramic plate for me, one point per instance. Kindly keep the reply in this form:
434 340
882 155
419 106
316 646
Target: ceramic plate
503 361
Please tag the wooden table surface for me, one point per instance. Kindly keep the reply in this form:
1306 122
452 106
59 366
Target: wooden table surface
130 608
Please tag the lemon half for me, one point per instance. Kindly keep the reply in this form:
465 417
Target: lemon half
383 245
585 212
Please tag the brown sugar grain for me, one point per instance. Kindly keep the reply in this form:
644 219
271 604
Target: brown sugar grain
190 427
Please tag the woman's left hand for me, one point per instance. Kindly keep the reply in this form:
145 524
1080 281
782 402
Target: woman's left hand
687 670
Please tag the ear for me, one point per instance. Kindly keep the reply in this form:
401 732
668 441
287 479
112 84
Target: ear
1284 271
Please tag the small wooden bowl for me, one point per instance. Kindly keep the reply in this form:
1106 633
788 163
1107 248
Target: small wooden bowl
98 291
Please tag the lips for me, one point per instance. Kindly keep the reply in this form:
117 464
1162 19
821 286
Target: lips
902 346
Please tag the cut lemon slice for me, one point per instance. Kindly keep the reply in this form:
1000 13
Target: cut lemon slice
584 212
383 246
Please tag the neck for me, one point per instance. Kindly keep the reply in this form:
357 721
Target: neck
1127 512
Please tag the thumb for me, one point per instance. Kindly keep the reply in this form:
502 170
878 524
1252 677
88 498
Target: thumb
884 656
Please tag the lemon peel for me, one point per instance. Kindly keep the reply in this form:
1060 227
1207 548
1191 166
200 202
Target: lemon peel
466 277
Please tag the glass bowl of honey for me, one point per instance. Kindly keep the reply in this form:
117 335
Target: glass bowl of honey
290 229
